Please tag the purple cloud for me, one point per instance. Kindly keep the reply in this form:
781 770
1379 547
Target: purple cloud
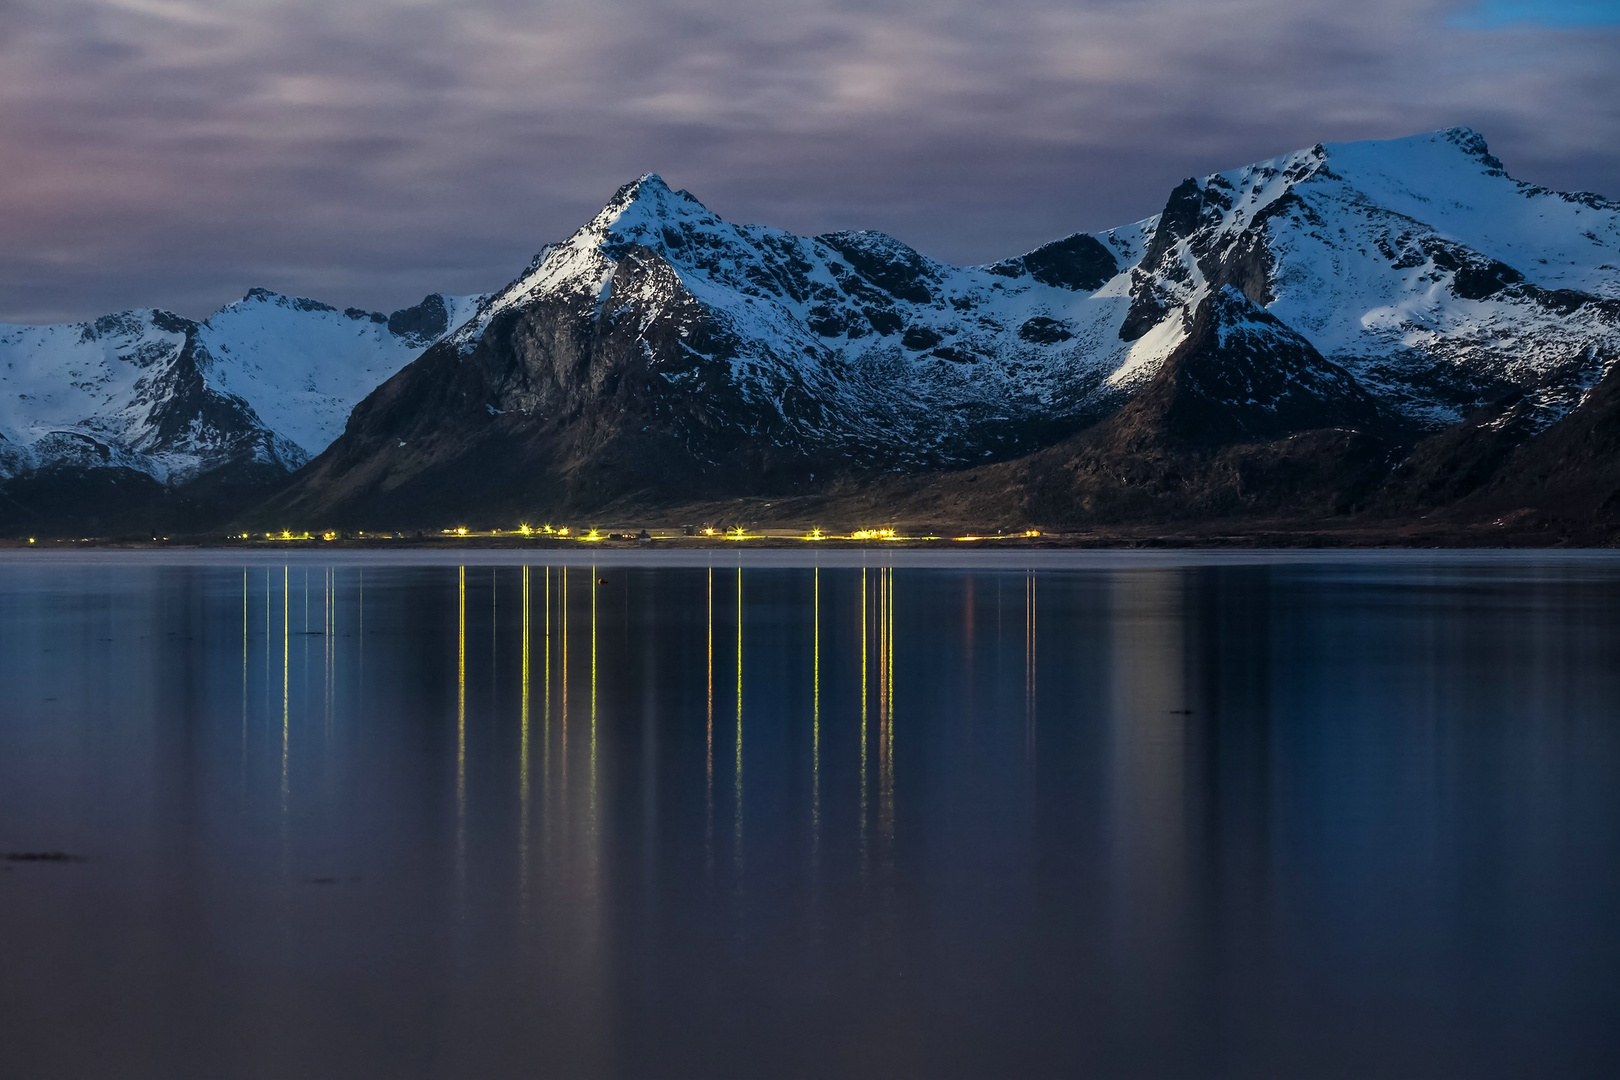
176 152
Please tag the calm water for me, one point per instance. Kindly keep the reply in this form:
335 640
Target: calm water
1086 816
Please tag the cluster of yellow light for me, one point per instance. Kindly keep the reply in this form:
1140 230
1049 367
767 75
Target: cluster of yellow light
736 533
1001 536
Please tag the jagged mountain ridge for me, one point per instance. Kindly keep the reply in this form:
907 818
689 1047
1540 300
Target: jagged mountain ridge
269 380
147 421
663 355
821 337
1418 264
1407 292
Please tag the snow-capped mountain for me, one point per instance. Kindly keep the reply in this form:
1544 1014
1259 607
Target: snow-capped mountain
849 339
1418 264
267 381
662 355
1353 325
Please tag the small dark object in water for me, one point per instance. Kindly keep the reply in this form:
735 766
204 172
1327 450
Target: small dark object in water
601 581
1181 712
43 856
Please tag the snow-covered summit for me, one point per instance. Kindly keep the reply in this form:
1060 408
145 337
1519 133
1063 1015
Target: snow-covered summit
1418 263
853 321
268 379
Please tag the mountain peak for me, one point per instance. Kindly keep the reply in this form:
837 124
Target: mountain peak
1466 139
648 196
270 296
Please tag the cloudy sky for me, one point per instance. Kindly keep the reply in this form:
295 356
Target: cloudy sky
175 153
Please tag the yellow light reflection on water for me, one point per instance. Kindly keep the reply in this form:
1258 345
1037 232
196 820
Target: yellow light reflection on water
562 749
865 698
708 760
286 726
545 741
737 826
1030 642
523 756
815 719
593 679
244 671
461 729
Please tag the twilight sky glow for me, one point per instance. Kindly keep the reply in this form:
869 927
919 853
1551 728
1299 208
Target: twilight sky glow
174 153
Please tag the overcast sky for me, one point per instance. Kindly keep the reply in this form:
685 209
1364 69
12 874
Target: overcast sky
175 153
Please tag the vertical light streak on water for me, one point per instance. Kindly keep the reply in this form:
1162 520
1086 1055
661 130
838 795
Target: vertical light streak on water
891 674
737 792
545 734
360 636
1030 641
286 727
593 806
244 674
591 824
332 639
815 723
523 759
883 677
303 661
886 714
461 733
865 697
494 631
546 790
593 686
708 820
267 643
329 636
562 749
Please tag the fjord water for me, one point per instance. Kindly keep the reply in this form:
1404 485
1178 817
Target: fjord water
1031 815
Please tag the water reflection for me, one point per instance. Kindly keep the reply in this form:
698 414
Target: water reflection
1253 819
737 782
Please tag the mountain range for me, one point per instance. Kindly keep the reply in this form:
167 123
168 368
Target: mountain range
1362 334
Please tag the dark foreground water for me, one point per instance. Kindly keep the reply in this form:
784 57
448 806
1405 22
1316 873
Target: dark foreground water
1104 817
